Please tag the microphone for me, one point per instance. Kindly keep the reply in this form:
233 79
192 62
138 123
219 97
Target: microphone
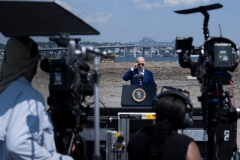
141 78
45 65
84 66
136 76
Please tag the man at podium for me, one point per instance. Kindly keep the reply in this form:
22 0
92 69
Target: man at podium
138 75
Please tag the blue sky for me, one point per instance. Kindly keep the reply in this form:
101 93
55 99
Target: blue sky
130 20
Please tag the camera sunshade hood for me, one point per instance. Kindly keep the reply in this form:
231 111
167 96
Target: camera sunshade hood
29 18
200 9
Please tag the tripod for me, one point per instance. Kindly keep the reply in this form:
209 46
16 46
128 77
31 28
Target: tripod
67 125
220 119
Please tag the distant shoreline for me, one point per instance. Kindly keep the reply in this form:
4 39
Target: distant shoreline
149 64
150 59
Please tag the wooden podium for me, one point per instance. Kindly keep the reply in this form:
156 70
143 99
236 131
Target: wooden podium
138 95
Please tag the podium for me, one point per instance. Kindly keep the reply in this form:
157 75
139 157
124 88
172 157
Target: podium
138 95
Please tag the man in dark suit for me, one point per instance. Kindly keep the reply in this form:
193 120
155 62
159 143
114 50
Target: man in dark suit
138 75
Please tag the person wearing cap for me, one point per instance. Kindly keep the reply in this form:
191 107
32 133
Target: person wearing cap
26 131
138 69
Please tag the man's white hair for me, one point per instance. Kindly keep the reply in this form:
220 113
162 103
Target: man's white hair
140 58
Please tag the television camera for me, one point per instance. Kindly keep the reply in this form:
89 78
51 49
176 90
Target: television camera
216 58
70 82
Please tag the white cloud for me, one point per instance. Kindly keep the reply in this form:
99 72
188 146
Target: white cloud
144 5
98 18
181 2
137 1
94 18
121 24
148 6
67 7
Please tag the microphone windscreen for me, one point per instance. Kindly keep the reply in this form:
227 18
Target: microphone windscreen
136 76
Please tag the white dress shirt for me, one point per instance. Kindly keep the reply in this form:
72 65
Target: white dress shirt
141 72
26 131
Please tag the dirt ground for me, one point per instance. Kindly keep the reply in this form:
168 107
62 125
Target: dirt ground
165 73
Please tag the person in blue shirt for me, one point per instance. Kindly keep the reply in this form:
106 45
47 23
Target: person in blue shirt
26 131
138 75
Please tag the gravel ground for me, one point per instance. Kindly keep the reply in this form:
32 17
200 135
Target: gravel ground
165 73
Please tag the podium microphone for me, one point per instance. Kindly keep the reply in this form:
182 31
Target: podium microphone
141 78
136 76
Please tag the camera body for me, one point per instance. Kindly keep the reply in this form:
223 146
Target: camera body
68 83
215 57
60 86
61 76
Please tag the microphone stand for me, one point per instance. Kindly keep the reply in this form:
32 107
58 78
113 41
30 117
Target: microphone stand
140 79
96 75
